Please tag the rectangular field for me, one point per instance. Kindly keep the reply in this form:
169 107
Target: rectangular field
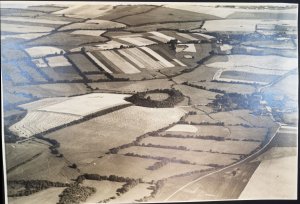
247 76
14 28
135 120
202 158
120 62
138 41
162 60
227 146
83 63
104 189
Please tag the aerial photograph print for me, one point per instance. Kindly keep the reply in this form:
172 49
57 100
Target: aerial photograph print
148 102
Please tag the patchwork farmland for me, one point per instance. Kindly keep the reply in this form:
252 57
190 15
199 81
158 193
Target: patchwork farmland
137 103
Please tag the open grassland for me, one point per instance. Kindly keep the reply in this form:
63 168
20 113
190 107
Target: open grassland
183 128
92 25
84 11
58 61
25 36
16 154
247 76
121 165
138 41
204 130
237 117
104 189
197 96
46 8
65 40
162 14
243 133
34 20
42 103
121 127
44 166
19 28
135 86
200 118
41 51
278 166
227 146
88 32
200 73
202 158
47 196
123 10
109 45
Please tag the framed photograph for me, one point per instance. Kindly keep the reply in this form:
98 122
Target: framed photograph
149 102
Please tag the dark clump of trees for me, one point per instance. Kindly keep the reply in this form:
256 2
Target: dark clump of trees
158 164
33 186
158 185
75 194
127 186
235 101
140 98
74 166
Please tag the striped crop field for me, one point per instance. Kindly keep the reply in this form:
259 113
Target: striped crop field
144 58
162 60
39 121
132 58
160 39
161 35
100 64
46 114
83 63
120 62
